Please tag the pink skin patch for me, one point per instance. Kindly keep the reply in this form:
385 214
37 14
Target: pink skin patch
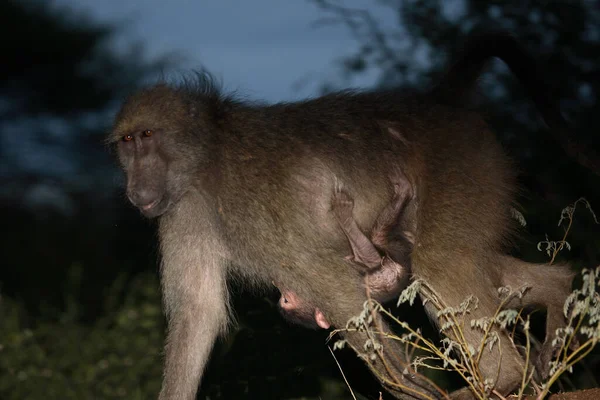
289 302
321 320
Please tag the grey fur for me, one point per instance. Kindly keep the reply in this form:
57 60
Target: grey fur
247 189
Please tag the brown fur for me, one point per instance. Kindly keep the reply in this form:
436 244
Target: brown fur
247 189
385 258
547 286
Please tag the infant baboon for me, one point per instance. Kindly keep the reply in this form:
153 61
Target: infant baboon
301 312
384 259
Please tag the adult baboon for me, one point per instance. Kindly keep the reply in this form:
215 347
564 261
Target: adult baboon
247 189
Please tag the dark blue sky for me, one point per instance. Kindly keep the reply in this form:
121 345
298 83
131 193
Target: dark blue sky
260 47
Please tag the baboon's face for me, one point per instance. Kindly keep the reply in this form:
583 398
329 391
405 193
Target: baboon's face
147 169
162 148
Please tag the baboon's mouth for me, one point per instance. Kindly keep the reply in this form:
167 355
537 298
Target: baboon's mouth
149 206
155 209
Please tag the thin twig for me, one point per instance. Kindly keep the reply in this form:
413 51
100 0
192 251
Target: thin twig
342 372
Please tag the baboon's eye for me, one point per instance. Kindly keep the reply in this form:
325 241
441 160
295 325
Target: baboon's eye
127 138
147 133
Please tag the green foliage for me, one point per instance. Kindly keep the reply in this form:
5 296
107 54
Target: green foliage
118 356
56 355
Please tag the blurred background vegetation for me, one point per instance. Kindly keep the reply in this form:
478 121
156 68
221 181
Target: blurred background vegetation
80 312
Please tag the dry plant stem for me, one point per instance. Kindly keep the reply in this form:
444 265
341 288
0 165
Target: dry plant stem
382 335
463 370
570 213
410 350
471 365
568 360
519 318
342 372
498 394
385 335
369 334
525 380
434 367
567 364
486 334
470 368
576 329
429 347
400 386
382 378
537 388
491 324
497 369
564 238
528 381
